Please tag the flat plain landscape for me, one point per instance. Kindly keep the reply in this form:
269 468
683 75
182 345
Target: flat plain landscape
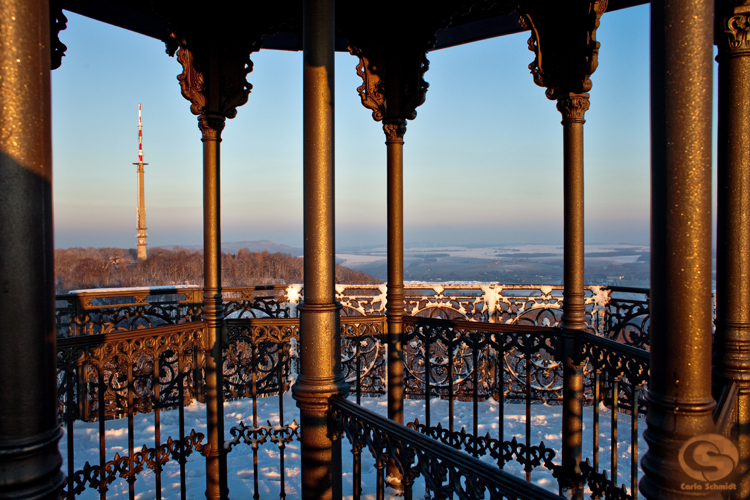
618 264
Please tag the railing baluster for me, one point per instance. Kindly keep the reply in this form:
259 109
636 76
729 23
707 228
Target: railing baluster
474 336
282 446
181 415
357 480
597 399
359 369
131 432
500 377
450 337
69 420
634 443
254 394
102 436
527 457
380 480
427 374
157 424
613 446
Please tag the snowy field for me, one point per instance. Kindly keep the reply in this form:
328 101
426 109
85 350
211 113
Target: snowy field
545 426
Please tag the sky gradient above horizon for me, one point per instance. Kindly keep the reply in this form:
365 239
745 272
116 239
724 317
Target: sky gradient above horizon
482 161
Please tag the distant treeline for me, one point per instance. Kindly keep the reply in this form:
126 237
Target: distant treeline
79 268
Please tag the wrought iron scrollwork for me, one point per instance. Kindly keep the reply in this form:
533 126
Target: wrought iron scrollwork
601 485
363 351
253 436
445 472
101 370
620 362
507 360
628 321
530 456
98 477
260 357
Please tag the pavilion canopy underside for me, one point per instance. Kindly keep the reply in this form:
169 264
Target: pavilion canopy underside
486 19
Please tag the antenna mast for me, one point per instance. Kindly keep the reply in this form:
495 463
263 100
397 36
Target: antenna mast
141 209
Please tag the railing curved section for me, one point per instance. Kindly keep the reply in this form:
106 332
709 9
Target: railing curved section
444 471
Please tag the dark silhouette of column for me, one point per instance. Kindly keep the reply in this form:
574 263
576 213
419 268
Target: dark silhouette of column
679 392
29 459
320 338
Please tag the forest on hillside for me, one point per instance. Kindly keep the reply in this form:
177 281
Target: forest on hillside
81 268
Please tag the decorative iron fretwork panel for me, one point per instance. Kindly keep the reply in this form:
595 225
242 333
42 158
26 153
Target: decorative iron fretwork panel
627 365
511 363
105 375
502 451
629 317
261 357
98 477
445 471
363 355
92 312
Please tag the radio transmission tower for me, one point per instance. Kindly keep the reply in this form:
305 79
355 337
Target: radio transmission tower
141 210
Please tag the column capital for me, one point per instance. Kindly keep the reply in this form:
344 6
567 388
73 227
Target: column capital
394 130
573 107
733 30
211 125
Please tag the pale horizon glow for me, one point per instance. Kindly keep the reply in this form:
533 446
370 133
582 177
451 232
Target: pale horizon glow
483 159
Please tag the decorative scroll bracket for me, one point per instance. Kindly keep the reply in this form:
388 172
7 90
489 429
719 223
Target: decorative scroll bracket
563 38
58 22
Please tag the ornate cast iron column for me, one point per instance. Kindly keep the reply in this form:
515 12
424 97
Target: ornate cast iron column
213 80
29 458
573 108
211 125
565 34
731 356
394 133
320 338
679 393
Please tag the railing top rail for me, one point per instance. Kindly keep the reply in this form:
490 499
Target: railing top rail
630 289
612 345
262 322
485 327
101 338
345 320
725 414
473 467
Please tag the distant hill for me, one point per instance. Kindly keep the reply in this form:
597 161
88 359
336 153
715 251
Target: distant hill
254 246
85 268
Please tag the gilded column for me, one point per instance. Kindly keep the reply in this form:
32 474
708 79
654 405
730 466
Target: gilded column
320 339
29 458
573 107
731 355
679 394
211 125
394 133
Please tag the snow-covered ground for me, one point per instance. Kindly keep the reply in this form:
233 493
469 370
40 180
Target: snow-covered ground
545 426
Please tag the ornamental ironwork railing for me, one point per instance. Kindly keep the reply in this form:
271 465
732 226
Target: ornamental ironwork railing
461 360
443 471
615 312
119 375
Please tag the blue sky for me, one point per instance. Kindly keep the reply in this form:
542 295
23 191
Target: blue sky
483 159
